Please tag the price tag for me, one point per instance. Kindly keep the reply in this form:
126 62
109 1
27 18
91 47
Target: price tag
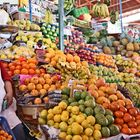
67 31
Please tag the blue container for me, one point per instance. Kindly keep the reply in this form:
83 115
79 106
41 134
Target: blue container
5 126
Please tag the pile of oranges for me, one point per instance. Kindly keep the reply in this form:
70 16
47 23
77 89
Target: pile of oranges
5 136
40 86
23 66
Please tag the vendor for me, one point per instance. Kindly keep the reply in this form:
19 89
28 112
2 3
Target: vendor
39 46
6 94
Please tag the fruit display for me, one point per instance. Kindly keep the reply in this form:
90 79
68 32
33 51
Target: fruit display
48 16
15 52
31 39
25 25
100 10
50 31
5 136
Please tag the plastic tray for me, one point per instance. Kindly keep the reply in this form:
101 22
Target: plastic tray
5 126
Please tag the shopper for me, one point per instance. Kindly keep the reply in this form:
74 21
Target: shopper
6 95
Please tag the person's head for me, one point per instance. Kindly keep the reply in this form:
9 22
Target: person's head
39 43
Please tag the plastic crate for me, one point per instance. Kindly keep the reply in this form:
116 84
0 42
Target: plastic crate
5 126
80 11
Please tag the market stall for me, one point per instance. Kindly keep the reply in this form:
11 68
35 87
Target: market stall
72 79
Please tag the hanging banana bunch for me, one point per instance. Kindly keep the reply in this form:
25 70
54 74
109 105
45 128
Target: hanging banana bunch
114 16
100 10
107 2
68 4
48 16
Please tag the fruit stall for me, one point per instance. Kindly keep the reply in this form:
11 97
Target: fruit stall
82 83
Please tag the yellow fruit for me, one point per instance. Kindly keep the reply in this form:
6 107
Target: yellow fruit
63 105
50 111
43 91
97 135
97 127
80 118
50 116
91 120
91 138
85 124
57 118
62 135
69 137
56 125
84 137
71 120
69 131
22 87
73 116
77 137
63 126
76 128
65 116
57 110
50 122
69 108
75 110
88 132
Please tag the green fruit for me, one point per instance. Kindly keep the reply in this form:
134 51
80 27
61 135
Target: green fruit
88 111
83 95
70 100
88 98
66 101
81 102
108 112
99 110
77 95
105 132
74 104
43 28
110 119
82 108
101 119
64 97
114 130
66 91
43 114
90 103
41 121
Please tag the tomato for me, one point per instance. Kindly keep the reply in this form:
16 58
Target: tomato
133 131
126 131
133 112
138 129
125 126
129 106
127 117
119 121
132 124
138 122
119 114
120 127
123 109
114 106
138 117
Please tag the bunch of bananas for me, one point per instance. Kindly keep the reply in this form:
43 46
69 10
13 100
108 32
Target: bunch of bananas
100 10
68 4
48 16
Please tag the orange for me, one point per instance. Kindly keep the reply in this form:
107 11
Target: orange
46 86
24 71
53 63
43 91
37 101
32 60
34 80
52 88
69 58
48 81
17 71
25 66
27 81
32 65
31 86
34 92
18 67
41 80
47 76
37 71
22 87
46 99
12 68
47 60
42 70
38 86
31 71
76 59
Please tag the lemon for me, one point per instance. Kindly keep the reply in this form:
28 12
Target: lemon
69 137
97 135
76 128
88 132
80 118
97 127
50 122
57 118
85 124
56 125
62 135
84 137
63 105
57 110
49 116
75 110
77 137
63 126
91 120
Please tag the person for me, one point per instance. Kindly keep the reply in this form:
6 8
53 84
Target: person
6 94
39 46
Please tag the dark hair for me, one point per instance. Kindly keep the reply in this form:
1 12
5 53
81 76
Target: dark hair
39 42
